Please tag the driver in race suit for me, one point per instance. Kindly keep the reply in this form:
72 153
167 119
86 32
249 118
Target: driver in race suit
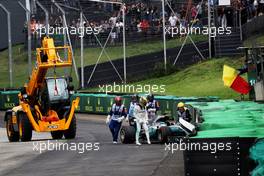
141 118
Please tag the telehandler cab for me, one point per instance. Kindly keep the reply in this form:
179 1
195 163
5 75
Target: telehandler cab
44 102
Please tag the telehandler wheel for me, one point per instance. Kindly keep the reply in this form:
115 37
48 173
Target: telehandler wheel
25 128
13 136
56 134
71 132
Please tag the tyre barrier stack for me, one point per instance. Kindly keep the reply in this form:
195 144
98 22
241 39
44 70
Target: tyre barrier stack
8 99
101 103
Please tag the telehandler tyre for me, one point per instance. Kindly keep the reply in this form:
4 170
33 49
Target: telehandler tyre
13 136
56 134
71 132
25 128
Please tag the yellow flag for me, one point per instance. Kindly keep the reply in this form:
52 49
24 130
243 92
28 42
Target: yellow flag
229 75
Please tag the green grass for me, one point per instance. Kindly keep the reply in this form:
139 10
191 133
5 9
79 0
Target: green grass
132 49
256 40
90 57
203 79
20 69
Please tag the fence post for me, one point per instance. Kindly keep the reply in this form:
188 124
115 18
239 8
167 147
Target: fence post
9 45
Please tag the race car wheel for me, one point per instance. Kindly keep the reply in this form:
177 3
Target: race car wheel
71 132
127 134
163 134
13 136
25 128
194 133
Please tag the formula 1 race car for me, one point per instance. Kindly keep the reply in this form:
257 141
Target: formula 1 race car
163 130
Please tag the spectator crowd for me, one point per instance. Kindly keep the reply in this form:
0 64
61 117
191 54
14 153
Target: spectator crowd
145 18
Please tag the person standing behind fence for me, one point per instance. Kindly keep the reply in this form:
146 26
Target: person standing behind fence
112 21
222 18
113 36
144 25
173 20
193 12
119 29
261 7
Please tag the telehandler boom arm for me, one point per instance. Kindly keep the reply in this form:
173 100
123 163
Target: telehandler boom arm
47 57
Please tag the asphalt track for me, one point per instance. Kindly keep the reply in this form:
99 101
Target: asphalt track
24 158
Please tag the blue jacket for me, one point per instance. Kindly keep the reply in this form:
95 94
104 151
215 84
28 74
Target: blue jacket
131 109
117 111
154 104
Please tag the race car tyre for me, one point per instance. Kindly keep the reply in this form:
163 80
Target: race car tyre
127 134
13 136
163 134
194 133
25 128
56 134
71 132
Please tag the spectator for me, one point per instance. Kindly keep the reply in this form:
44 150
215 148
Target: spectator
173 20
223 18
182 12
261 7
255 8
104 26
144 25
112 21
113 36
38 27
139 27
119 27
33 26
193 12
199 10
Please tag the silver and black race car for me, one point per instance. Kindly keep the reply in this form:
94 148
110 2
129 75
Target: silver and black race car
162 129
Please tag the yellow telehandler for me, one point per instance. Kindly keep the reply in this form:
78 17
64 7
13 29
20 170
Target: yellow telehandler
44 102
